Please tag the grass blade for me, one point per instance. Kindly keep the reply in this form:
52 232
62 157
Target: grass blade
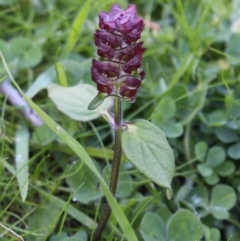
76 28
21 152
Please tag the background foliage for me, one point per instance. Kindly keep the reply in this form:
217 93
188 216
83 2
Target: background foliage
191 92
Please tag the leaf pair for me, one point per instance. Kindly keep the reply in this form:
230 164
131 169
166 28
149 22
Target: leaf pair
143 143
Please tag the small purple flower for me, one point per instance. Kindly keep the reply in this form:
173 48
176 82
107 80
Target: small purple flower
118 71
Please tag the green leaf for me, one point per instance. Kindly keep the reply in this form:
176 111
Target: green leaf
42 82
184 225
201 150
233 49
225 169
199 196
43 221
6 50
7 2
212 180
158 118
226 135
164 213
166 107
146 146
179 93
211 234
77 27
82 235
182 192
219 213
223 198
74 101
43 135
214 234
205 170
234 151
234 111
217 118
59 236
29 54
73 239
172 130
215 156
233 124
152 228
21 153
84 183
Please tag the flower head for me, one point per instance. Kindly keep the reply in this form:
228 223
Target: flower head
118 70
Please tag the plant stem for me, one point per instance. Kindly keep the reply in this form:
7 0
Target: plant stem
115 167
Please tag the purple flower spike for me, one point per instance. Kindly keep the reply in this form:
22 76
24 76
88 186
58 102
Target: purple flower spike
118 72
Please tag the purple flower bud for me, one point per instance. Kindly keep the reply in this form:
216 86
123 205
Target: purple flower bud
118 72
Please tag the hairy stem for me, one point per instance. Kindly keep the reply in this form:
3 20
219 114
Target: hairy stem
115 167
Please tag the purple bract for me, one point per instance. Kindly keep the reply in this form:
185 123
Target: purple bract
118 71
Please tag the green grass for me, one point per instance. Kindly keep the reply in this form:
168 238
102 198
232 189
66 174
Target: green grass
191 91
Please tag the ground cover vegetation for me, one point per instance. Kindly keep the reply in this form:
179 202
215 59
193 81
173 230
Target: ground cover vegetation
52 169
